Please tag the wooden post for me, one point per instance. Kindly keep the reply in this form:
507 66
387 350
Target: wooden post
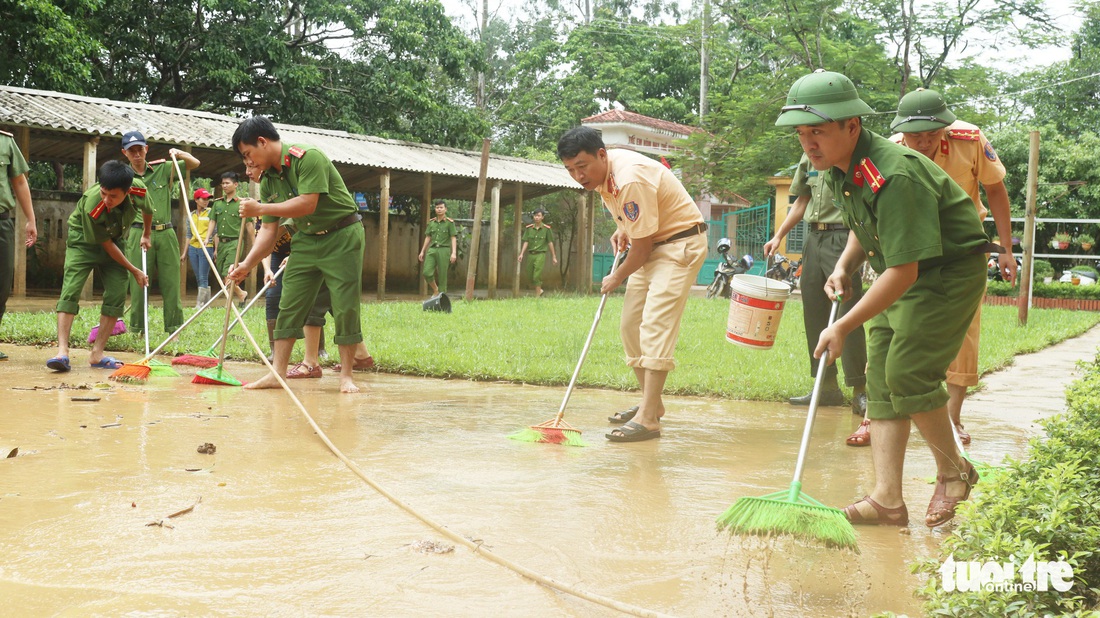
1024 301
383 231
494 238
86 183
475 237
590 229
182 224
425 214
576 261
19 285
517 231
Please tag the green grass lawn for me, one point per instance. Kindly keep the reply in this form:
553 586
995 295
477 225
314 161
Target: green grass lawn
538 341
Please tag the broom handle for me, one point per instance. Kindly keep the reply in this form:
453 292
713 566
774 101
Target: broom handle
183 326
185 208
818 381
252 302
145 290
587 344
229 292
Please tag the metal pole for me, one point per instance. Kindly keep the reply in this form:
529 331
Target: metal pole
1029 228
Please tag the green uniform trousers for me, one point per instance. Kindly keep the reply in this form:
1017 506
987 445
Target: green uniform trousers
333 260
227 250
80 261
819 258
7 260
437 265
535 263
912 342
164 265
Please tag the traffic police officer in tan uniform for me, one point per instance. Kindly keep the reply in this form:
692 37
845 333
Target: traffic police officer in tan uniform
922 236
925 124
660 222
825 241
163 255
13 189
537 240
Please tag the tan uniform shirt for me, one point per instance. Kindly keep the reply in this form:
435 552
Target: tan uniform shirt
968 158
645 198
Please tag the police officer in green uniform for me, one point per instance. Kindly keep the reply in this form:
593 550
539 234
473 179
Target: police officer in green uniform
920 232
226 218
537 239
97 227
440 249
826 238
300 182
163 255
13 189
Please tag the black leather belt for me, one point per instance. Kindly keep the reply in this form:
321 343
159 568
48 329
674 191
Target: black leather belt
156 228
341 224
826 227
5 215
224 238
691 231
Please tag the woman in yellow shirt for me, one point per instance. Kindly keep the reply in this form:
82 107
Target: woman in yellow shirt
197 247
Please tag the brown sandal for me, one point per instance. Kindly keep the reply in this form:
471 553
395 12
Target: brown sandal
885 517
861 436
942 507
302 370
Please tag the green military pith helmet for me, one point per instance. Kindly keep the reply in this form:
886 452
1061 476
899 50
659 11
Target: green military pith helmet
822 96
922 110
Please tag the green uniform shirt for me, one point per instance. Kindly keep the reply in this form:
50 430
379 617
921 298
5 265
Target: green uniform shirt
537 238
158 179
227 216
808 181
903 208
307 170
441 232
12 159
93 224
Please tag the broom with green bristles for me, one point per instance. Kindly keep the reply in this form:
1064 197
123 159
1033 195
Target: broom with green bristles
791 512
218 375
556 430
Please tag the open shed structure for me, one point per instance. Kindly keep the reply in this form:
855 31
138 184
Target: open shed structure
71 129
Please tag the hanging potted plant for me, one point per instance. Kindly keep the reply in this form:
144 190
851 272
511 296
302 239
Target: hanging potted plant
1060 241
1085 241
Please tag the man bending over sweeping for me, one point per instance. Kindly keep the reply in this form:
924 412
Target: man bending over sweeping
921 233
96 228
300 182
657 218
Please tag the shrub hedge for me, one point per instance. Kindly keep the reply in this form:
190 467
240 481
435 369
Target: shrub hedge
1047 290
1047 507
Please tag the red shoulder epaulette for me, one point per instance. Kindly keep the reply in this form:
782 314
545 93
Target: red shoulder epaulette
867 172
98 210
157 162
449 219
138 191
6 133
296 151
970 135
530 225
546 225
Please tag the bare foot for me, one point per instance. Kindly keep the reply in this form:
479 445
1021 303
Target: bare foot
268 381
347 385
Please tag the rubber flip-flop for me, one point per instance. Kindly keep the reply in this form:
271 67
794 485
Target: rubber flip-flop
108 362
59 364
633 432
619 418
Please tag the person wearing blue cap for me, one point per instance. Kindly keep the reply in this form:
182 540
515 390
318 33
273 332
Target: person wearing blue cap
163 257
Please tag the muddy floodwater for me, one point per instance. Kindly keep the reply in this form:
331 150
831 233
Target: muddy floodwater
279 526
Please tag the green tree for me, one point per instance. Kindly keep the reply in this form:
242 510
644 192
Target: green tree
43 44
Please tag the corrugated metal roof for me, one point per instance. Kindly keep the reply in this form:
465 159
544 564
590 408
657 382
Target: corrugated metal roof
67 113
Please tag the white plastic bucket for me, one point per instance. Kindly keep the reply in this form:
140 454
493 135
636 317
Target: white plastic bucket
756 305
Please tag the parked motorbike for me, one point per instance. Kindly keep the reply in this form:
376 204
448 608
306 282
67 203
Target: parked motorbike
995 268
783 269
726 269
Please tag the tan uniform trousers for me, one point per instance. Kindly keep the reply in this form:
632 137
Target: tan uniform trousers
655 298
963 371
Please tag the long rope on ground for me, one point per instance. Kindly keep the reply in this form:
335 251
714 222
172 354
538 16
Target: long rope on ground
475 547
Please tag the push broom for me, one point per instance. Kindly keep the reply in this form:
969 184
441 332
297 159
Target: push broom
208 357
139 372
791 512
556 430
218 375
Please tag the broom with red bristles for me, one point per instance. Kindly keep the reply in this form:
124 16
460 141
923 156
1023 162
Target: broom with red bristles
207 358
218 375
556 430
